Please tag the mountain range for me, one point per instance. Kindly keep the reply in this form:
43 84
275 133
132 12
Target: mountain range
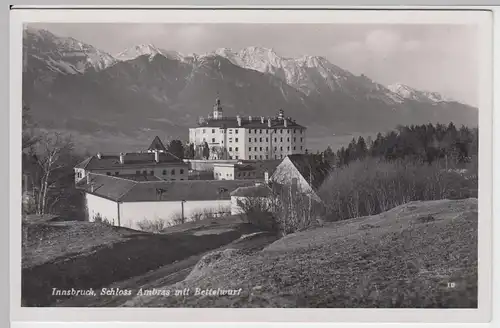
122 100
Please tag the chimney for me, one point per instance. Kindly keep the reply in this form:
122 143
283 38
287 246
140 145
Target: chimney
99 155
122 158
285 122
269 122
266 177
238 118
262 119
157 156
91 187
250 118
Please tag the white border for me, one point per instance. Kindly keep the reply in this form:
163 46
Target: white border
482 19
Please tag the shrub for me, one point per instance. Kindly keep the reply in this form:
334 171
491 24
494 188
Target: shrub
373 186
283 212
154 226
258 212
99 219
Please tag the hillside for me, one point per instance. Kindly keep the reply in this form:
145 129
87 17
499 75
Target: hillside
406 257
144 91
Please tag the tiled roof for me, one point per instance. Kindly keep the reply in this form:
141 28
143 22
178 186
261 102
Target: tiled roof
261 190
140 177
109 187
157 145
232 122
311 167
131 160
125 190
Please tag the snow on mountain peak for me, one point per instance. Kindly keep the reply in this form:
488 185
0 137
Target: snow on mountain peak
408 92
147 49
64 54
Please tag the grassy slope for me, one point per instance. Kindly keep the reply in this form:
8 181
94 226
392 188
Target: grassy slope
85 255
401 258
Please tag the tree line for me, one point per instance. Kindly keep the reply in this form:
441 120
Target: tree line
424 143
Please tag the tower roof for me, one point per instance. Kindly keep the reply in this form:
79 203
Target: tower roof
157 145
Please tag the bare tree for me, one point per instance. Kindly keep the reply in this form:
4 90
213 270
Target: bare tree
28 136
51 154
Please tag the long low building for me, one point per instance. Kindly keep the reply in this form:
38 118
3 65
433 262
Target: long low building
126 202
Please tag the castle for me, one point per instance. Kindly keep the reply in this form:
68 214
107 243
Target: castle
249 138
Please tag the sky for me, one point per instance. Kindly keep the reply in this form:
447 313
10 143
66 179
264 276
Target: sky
440 58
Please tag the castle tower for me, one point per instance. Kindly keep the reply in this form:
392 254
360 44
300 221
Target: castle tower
217 115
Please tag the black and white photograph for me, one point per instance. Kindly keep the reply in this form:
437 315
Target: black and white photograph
170 164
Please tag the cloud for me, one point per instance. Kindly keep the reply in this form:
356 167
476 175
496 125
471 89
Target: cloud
383 42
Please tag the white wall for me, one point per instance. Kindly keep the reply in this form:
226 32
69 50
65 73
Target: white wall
224 172
133 212
108 209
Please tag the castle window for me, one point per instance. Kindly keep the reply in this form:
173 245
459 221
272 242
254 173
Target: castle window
236 131
144 172
249 139
288 139
164 172
267 148
260 148
293 147
249 148
281 139
255 139
294 139
275 148
275 130
255 149
260 156
288 131
213 130
275 139
260 139
250 131
152 172
267 131
281 156
182 171
288 148
267 156
281 130
235 139
260 131
172 172
294 131
281 148
301 139
250 157
236 149
230 139
230 148
213 139
267 139
230 131
236 157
